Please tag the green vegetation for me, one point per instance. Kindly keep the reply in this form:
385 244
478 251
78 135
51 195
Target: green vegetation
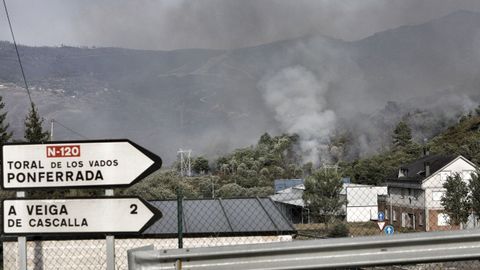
251 171
5 135
322 195
460 139
456 201
33 127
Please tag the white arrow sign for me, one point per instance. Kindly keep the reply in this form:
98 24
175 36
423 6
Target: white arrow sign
381 224
101 215
75 164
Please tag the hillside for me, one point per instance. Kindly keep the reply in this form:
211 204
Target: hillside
213 101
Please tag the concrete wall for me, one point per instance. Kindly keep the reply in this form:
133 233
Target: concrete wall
91 254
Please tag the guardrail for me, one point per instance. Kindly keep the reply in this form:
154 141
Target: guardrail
319 254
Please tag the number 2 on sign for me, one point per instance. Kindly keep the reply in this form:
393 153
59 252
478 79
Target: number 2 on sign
134 209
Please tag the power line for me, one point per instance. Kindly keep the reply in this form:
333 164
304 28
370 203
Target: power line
69 129
18 55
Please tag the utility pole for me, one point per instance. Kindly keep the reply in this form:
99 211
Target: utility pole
51 129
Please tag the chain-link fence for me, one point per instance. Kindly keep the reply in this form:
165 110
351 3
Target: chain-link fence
427 195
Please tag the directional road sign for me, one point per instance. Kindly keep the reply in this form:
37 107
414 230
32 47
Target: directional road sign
93 215
389 230
75 164
381 216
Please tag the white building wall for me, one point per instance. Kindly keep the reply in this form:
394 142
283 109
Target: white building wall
407 197
362 214
434 185
362 202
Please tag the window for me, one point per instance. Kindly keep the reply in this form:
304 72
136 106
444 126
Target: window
387 214
467 174
443 219
405 220
394 215
416 194
437 195
420 219
444 175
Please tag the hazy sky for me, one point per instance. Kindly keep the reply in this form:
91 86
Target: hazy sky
173 24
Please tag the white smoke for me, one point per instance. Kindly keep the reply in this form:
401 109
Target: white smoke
298 99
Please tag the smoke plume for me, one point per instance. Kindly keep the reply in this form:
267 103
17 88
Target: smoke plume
298 99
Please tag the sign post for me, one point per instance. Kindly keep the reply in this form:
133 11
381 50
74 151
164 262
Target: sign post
110 241
22 244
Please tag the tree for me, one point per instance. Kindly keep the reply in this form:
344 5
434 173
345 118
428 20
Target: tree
456 200
231 191
33 127
402 135
200 165
322 195
4 134
474 186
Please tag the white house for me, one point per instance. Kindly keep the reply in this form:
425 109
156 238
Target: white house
415 193
361 206
362 201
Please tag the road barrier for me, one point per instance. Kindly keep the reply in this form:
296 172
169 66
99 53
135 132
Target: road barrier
320 254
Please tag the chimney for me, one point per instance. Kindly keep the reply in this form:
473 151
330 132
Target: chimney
426 150
427 169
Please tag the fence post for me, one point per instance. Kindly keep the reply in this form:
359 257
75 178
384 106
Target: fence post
110 241
180 216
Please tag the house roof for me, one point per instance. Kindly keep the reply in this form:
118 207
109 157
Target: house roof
221 217
292 196
415 171
281 184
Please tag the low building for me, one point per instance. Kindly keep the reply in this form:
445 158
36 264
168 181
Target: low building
291 204
361 202
206 223
415 193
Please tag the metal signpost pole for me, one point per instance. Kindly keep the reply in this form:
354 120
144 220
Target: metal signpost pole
22 244
110 241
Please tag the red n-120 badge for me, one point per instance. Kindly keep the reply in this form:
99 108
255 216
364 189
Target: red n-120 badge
58 151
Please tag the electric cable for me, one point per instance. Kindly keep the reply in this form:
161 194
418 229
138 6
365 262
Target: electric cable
69 129
18 54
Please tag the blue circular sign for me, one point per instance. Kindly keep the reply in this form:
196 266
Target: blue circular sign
381 216
389 230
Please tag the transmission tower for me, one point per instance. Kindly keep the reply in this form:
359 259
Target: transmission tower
185 162
330 167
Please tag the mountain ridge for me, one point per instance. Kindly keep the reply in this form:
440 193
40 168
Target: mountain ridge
214 100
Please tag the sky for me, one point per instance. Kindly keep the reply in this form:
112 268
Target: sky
219 24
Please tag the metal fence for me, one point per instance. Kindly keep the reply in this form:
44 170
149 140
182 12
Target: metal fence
285 216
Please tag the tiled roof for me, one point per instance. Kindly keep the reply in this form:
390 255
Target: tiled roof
415 171
221 217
